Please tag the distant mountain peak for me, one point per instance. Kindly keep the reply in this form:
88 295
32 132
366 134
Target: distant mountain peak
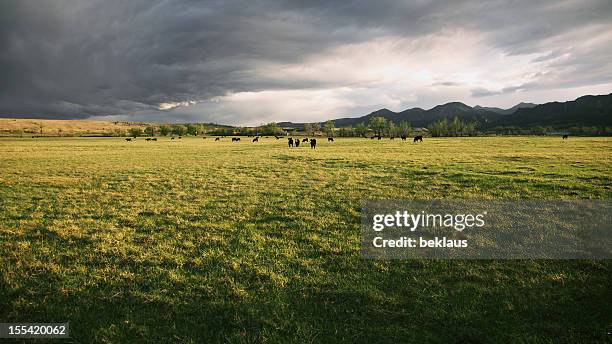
588 110
454 105
521 105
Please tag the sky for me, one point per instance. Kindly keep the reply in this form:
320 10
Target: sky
254 62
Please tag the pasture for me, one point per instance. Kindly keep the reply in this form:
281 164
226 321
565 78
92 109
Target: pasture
194 240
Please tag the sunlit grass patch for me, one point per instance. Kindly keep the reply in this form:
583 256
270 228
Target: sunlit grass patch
201 241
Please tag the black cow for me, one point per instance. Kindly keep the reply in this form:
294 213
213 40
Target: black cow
128 139
379 137
418 138
372 137
403 137
297 143
256 139
216 139
204 138
148 139
313 143
330 139
276 137
305 140
235 139
290 141
154 139
180 137
172 138
392 137
565 137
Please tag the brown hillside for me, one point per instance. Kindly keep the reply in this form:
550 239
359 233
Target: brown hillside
48 127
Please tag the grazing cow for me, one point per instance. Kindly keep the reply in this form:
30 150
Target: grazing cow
128 139
297 143
392 137
172 138
180 137
313 143
235 139
204 137
305 140
256 139
330 139
379 137
267 137
290 141
565 136
148 139
372 137
403 137
276 137
418 138
216 139
154 139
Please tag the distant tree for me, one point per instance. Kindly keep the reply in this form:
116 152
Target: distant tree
164 130
150 131
470 128
308 129
458 127
248 131
455 127
271 129
439 128
315 127
135 131
404 128
179 130
194 129
361 129
346 131
391 129
378 124
227 131
329 128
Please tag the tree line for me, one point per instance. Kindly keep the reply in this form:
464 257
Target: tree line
455 127
378 125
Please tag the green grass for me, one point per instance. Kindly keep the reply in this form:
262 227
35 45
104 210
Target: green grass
202 241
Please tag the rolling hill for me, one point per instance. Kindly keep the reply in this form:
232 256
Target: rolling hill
584 111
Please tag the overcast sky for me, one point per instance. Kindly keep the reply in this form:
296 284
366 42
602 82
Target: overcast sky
251 62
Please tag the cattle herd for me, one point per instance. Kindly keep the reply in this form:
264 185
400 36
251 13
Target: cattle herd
292 142
295 142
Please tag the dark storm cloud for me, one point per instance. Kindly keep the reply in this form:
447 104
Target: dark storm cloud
78 58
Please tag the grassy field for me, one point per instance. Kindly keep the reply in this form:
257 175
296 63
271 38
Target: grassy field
201 241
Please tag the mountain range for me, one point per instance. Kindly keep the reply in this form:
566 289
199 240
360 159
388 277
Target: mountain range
584 111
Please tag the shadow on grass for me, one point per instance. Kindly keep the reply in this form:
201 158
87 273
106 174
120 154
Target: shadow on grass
322 292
